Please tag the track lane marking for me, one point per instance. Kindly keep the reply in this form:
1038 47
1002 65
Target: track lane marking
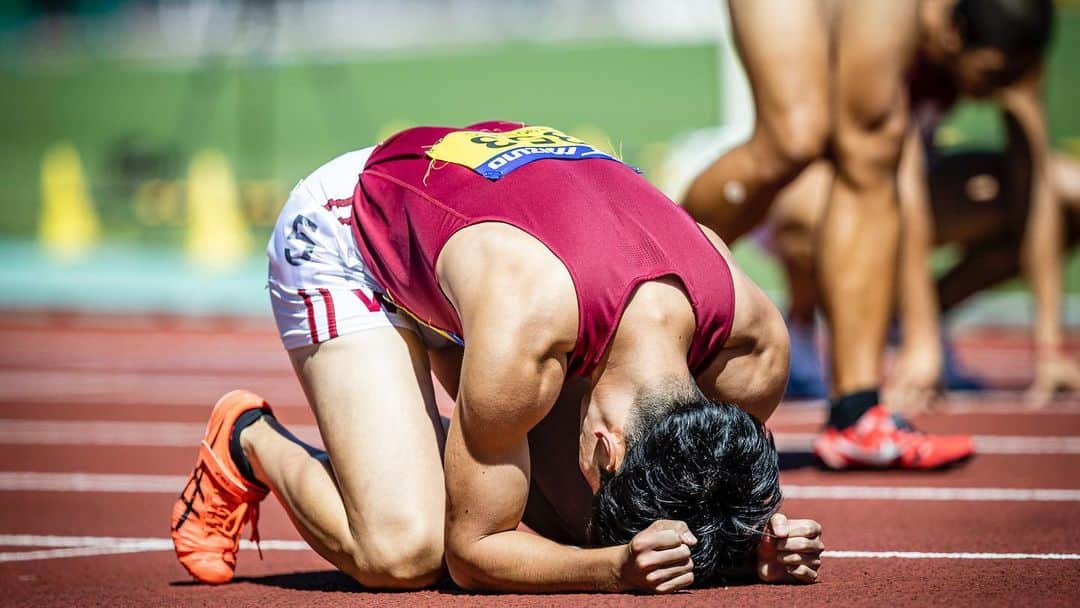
118 433
18 481
929 493
188 434
933 555
75 387
88 546
984 444
25 481
990 403
60 547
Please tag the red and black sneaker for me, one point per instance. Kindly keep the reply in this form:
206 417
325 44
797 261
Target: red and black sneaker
880 440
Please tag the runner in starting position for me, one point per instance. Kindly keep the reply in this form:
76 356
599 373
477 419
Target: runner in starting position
848 81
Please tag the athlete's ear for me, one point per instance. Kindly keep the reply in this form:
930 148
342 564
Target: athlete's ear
609 451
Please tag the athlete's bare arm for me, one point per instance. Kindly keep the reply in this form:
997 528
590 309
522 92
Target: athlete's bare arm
915 379
1042 244
752 369
519 315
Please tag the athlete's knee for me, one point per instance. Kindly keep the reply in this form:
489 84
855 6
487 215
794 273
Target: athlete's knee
793 139
399 555
868 152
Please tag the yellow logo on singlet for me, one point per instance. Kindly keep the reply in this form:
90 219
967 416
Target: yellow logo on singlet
494 155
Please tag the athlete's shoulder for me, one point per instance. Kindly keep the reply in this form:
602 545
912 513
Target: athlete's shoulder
717 243
512 280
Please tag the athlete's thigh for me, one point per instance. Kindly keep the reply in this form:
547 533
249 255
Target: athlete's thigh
875 48
784 47
360 361
372 397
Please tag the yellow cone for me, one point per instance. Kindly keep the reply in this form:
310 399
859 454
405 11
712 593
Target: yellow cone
68 225
217 234
1072 146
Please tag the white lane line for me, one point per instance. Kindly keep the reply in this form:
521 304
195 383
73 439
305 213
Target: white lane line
117 433
48 540
90 482
984 444
994 403
26 556
39 540
20 481
75 387
87 546
930 493
58 547
932 555
188 434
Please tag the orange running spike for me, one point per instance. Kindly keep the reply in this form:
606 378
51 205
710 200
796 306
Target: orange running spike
217 501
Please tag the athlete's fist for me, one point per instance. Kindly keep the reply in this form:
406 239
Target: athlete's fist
658 558
790 551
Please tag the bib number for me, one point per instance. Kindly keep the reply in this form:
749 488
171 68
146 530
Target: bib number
494 155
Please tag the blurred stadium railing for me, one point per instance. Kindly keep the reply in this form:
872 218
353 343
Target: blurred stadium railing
149 144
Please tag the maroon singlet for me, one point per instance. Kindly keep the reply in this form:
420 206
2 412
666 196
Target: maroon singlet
609 227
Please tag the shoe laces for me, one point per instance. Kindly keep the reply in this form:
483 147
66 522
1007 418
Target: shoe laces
229 519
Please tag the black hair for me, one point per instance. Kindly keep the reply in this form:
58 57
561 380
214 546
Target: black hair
711 465
1013 26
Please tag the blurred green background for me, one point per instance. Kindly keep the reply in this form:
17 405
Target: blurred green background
137 125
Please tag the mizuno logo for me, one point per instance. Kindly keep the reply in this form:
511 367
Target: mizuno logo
513 155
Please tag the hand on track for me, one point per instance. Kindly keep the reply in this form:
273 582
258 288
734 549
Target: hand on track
1053 373
915 382
790 551
658 558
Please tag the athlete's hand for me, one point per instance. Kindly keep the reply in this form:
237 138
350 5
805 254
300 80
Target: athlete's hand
915 381
1053 373
658 558
790 551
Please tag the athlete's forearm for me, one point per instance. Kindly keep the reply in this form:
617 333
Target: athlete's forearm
1041 255
521 562
1042 267
504 394
1041 247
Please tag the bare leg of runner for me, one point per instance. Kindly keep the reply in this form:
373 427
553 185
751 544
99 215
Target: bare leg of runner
858 249
785 49
373 503
793 223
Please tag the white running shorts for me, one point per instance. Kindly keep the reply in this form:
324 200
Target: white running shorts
319 286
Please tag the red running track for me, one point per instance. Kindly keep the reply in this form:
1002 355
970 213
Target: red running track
99 417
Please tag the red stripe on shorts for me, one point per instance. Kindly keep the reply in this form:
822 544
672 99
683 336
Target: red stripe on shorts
331 316
310 315
371 303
